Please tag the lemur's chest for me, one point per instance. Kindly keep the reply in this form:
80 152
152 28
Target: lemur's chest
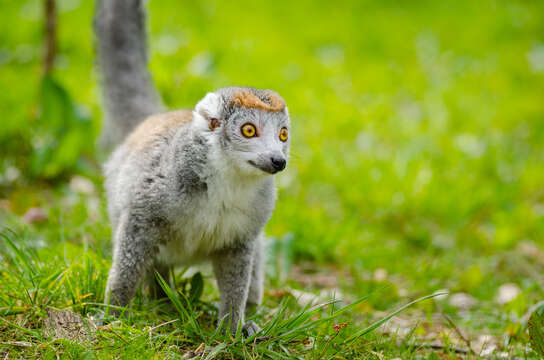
224 214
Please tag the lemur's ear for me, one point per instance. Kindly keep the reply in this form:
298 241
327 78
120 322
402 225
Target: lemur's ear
210 109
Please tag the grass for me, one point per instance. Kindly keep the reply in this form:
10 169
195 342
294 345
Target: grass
32 285
416 167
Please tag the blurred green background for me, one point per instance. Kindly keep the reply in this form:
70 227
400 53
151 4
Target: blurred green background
417 140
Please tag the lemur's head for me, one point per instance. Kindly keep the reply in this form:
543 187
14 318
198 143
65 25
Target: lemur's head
251 126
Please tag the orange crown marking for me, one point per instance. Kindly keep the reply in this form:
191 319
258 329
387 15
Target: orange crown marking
251 101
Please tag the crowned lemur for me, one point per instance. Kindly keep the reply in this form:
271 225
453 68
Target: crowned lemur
185 186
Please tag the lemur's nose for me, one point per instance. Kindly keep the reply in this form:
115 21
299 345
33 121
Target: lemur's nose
278 163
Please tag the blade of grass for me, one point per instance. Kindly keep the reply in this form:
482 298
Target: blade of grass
382 321
216 351
186 316
25 330
22 258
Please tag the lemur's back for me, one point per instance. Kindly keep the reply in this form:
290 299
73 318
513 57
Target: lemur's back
133 158
157 128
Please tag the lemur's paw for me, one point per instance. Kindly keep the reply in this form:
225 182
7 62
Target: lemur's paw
251 328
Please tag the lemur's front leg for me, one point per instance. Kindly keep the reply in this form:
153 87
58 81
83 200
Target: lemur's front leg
232 268
134 252
255 294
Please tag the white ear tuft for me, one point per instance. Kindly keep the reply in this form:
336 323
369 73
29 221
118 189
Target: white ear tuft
210 106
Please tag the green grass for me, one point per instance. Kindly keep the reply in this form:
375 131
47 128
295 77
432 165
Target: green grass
34 282
418 149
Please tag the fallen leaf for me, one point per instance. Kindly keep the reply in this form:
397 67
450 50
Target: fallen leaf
507 293
34 216
485 345
82 185
304 298
462 301
531 250
380 275
399 326
277 293
310 275
68 325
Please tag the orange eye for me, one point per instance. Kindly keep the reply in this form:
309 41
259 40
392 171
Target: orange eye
248 130
284 134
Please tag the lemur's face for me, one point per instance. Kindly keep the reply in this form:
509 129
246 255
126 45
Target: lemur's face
252 127
257 141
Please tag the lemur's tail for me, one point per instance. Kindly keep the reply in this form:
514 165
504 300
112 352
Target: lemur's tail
128 90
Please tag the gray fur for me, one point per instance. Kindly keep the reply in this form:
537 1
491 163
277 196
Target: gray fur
232 267
195 194
255 293
129 94
183 192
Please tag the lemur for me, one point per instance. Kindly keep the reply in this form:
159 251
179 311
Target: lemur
185 186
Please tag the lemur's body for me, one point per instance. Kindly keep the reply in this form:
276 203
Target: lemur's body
189 186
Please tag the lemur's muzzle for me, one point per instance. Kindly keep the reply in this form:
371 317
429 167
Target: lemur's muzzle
270 164
278 163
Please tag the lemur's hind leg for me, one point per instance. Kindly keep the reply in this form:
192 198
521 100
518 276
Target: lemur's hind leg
255 294
232 268
134 252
